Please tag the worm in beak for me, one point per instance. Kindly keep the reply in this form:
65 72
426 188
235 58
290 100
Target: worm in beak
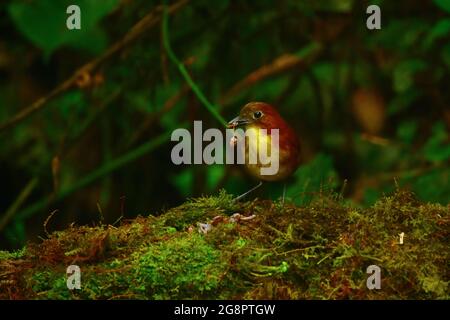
237 122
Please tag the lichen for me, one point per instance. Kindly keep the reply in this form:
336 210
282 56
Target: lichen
318 251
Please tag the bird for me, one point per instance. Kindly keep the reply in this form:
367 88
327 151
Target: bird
261 115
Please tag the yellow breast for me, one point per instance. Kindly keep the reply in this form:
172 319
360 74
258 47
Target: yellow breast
262 154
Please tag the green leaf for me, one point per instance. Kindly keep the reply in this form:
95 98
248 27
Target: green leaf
139 101
70 103
43 22
443 4
341 6
201 54
445 54
214 175
270 89
310 178
406 131
437 148
439 30
404 73
174 118
163 93
16 233
401 34
403 101
371 196
184 181
432 186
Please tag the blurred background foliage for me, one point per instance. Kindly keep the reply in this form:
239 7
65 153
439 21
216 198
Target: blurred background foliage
371 107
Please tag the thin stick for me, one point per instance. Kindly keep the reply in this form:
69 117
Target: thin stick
147 22
47 220
198 92
22 197
280 64
249 191
104 170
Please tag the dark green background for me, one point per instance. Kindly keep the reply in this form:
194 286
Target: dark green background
371 107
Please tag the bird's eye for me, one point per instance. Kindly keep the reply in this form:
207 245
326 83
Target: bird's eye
257 114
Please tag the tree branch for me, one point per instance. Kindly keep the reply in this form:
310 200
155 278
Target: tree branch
104 170
280 64
198 92
147 22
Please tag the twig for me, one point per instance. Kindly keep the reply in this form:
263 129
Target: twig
300 249
166 40
148 21
71 139
379 179
22 197
168 105
100 212
117 221
377 140
280 64
47 221
96 174
289 90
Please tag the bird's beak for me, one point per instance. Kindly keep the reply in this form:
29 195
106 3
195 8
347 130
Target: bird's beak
237 122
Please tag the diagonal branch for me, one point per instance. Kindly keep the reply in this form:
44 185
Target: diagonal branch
148 21
96 174
280 64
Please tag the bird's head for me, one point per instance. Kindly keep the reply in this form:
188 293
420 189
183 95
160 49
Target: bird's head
257 114
286 147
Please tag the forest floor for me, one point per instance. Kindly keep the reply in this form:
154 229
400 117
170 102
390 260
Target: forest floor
214 248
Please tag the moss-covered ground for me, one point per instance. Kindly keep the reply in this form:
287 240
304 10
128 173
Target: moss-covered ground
319 251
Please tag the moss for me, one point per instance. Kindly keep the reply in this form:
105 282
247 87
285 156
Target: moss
182 268
319 251
5 255
196 209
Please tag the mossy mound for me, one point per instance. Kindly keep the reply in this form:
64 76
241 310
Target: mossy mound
320 251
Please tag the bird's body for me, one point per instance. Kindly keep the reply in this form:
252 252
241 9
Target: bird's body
259 115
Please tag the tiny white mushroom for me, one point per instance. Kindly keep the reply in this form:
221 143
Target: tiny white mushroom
204 228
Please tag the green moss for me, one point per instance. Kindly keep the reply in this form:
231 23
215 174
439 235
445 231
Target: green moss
182 268
50 285
196 209
319 251
5 255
